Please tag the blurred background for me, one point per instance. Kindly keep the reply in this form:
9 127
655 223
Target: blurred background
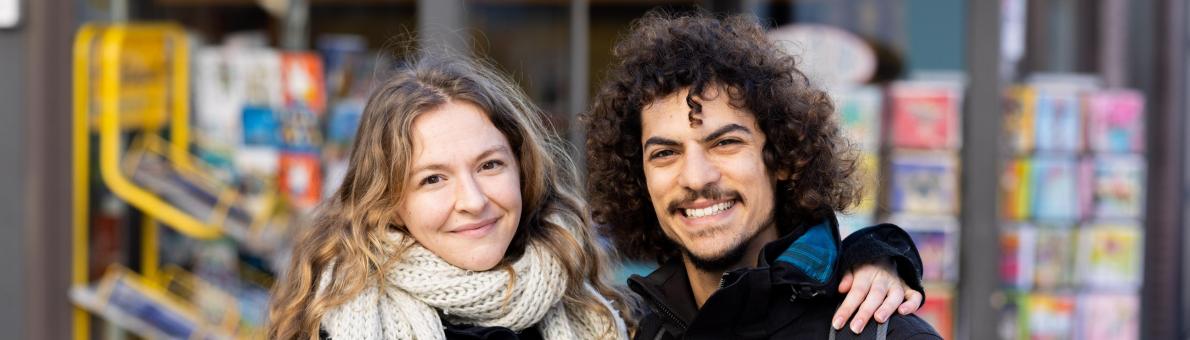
161 154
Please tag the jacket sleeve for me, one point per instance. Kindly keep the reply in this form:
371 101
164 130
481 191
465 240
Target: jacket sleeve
884 241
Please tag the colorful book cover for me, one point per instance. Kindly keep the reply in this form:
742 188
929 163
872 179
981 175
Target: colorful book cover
301 178
924 183
1119 186
1054 260
1018 244
1115 121
860 112
344 121
303 79
937 242
1013 317
342 55
1050 316
938 310
1108 316
218 99
925 115
1109 255
1020 119
300 129
1015 185
261 126
1058 117
260 70
1055 187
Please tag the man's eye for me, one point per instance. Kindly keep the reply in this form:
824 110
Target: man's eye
491 165
431 180
661 154
726 142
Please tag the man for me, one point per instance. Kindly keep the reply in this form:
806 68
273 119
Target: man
709 153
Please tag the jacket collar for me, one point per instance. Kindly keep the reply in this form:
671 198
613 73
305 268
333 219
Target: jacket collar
806 260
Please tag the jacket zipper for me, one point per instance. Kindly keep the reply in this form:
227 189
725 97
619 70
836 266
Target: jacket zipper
668 314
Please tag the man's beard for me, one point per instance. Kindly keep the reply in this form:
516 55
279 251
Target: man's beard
719 263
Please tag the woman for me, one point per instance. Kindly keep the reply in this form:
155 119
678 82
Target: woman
458 210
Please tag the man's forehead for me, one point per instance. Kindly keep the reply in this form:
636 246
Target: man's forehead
670 115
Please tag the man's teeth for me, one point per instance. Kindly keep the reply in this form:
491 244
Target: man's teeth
708 211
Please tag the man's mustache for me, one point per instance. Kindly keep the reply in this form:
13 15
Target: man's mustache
711 192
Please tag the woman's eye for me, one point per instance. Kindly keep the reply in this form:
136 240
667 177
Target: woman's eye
431 180
492 164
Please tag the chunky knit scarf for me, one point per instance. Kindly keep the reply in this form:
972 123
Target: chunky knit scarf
421 284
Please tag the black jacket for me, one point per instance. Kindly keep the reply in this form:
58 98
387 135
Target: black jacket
791 294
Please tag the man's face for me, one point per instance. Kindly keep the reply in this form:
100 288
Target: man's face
708 183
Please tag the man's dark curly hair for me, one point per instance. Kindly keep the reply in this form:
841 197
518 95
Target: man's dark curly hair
665 53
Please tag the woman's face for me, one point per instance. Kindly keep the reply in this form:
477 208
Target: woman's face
463 196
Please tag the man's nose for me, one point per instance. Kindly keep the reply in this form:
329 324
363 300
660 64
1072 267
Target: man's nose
698 172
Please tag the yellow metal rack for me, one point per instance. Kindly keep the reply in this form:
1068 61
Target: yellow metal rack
135 78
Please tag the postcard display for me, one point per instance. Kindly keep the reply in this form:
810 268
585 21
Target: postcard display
1072 204
270 128
908 134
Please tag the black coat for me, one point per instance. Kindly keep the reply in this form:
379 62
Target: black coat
777 299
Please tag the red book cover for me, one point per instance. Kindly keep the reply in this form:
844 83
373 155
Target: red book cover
924 116
301 74
300 178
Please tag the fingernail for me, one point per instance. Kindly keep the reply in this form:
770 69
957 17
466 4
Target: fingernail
904 310
837 324
857 327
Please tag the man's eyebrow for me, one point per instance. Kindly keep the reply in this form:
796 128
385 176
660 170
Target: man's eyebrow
725 130
660 141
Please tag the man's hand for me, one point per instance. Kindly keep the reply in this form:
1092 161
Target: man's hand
881 292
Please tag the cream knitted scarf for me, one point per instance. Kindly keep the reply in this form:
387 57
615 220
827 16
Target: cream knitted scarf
421 284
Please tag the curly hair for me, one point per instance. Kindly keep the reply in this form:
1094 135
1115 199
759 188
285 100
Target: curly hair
665 53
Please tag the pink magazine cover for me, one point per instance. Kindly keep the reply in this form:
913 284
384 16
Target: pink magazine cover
1115 121
1108 316
925 115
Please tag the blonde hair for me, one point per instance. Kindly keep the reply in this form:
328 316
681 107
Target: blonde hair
349 227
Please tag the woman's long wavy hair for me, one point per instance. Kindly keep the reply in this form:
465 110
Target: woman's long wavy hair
350 226
664 53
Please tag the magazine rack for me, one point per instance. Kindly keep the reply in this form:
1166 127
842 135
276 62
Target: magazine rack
133 80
